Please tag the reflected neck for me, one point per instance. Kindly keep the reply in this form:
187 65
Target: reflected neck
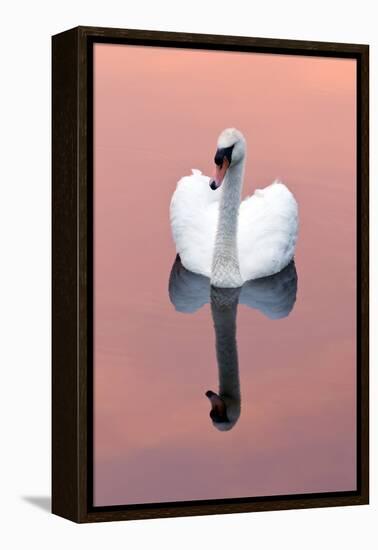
224 305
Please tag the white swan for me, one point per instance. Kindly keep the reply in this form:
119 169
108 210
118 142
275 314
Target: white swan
220 238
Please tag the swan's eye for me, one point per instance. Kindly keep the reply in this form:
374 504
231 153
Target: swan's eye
222 153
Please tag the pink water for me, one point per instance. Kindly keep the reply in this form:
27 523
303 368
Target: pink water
158 113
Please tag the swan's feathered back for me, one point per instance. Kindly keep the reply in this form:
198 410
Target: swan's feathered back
267 227
194 214
267 235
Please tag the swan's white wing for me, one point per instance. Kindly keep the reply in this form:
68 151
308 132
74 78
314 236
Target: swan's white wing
194 214
267 233
274 296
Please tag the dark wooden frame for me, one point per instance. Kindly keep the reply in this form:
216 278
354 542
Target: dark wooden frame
72 468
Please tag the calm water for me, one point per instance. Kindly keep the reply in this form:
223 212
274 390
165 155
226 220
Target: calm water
157 115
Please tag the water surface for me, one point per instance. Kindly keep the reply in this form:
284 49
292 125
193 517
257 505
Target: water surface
158 113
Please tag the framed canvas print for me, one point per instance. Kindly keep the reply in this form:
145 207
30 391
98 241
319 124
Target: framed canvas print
210 274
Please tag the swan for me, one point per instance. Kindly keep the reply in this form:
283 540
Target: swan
227 241
274 296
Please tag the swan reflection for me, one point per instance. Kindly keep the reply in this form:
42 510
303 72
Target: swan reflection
273 296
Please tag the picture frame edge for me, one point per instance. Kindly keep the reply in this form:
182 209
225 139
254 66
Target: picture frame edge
70 396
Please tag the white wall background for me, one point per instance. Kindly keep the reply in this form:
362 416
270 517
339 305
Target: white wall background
25 271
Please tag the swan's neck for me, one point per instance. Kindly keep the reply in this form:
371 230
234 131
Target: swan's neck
224 305
225 271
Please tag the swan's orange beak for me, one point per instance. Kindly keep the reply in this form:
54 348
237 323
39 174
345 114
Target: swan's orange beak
219 174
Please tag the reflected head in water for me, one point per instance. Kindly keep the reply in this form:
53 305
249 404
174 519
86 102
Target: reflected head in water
218 411
273 296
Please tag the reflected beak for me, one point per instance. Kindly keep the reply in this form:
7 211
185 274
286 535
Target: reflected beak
218 411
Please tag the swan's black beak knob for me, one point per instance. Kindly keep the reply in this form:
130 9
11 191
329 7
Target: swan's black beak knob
222 153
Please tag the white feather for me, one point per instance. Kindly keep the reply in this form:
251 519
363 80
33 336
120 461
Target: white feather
267 227
194 214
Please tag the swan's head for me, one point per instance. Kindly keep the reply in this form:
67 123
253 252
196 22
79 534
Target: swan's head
230 150
224 411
